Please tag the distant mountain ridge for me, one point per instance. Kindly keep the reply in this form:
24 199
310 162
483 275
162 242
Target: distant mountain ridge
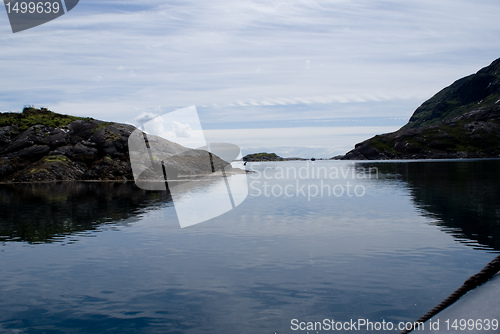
460 121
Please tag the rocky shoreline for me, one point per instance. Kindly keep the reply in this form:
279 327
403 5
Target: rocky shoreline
39 145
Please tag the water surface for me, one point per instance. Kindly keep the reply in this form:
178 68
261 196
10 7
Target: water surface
111 258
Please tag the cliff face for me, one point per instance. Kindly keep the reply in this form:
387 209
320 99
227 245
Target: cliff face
38 145
461 121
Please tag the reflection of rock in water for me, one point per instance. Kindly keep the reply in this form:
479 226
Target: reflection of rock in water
463 195
44 212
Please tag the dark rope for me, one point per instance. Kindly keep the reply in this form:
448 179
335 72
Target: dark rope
473 282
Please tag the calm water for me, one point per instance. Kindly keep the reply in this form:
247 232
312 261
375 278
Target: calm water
313 241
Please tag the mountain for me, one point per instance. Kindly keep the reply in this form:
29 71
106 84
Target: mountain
461 121
39 145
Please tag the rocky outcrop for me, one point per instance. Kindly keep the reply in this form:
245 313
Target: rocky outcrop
38 145
461 121
262 157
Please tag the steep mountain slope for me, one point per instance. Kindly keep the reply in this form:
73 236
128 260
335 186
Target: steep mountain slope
461 121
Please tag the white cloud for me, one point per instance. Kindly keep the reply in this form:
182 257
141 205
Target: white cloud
145 117
182 130
110 58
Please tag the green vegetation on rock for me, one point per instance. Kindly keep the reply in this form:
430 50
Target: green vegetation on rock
34 116
55 158
480 90
39 145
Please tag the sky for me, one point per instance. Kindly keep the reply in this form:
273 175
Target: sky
295 77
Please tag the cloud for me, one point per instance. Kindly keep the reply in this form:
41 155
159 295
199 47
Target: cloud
328 99
182 130
222 51
145 117
110 58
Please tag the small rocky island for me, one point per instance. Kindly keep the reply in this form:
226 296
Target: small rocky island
461 121
39 145
264 156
